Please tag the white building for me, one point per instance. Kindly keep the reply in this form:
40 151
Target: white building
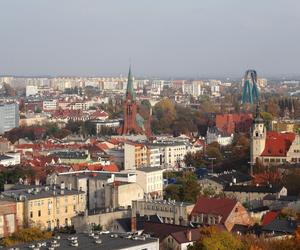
151 181
31 90
49 105
214 135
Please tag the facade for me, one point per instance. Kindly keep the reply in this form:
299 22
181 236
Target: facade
8 217
47 207
253 196
135 156
170 212
216 211
214 135
9 117
103 190
49 105
151 181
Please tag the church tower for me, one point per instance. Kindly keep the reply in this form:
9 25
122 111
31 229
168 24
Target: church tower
258 136
133 122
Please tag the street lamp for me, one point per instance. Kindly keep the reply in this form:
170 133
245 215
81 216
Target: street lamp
212 163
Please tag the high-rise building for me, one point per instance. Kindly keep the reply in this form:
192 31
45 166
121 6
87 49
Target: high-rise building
9 117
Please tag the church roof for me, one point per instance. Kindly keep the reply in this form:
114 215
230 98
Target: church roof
130 90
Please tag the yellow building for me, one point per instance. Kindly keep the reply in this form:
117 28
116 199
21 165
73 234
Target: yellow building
47 207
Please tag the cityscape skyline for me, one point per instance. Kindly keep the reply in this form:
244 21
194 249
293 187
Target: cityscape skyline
209 39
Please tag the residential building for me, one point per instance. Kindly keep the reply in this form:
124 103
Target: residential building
103 190
253 195
215 211
214 135
283 126
31 90
135 155
49 105
218 181
151 181
181 240
9 116
47 207
170 212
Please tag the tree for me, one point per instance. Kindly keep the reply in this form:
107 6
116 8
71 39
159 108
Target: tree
291 181
213 239
9 90
172 192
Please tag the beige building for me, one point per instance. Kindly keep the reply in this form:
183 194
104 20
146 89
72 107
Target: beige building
151 181
168 211
47 207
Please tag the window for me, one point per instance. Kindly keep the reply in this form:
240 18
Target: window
31 214
39 213
66 209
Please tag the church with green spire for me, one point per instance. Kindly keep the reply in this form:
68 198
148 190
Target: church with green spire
133 122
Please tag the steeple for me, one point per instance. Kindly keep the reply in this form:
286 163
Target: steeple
258 118
130 91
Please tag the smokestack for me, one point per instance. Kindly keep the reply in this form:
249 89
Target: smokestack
133 224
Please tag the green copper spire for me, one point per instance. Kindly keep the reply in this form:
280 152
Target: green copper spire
130 89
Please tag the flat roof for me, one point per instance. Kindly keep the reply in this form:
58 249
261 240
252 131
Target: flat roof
149 169
87 242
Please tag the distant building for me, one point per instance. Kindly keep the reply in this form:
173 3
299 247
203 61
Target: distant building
9 117
31 90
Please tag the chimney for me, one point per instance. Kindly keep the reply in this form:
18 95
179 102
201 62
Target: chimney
189 235
133 224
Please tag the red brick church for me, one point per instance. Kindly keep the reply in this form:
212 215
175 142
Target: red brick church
133 122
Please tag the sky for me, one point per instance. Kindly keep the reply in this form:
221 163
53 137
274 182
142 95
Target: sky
163 38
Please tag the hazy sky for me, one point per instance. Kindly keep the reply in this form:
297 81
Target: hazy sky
160 37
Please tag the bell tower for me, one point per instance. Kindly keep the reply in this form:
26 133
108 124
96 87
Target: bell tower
258 136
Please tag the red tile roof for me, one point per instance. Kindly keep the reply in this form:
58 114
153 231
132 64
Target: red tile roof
229 123
269 217
278 144
214 206
99 114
